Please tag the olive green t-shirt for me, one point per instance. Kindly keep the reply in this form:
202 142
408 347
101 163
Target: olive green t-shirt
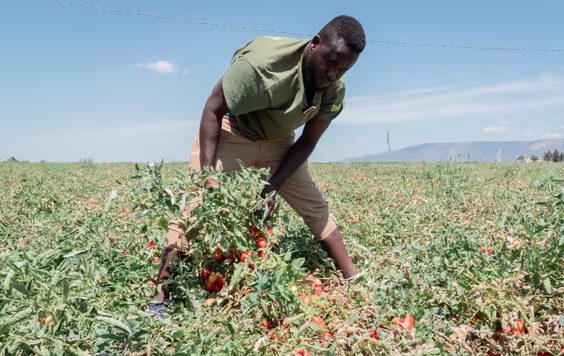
264 89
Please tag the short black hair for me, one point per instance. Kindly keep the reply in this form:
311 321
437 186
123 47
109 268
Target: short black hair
349 29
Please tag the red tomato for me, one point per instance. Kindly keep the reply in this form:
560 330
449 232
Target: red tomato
220 281
212 278
252 265
217 287
408 322
230 255
246 292
261 254
244 255
521 327
302 297
318 290
270 230
318 321
261 242
151 244
205 273
484 249
301 352
273 336
374 335
218 256
210 287
255 232
266 323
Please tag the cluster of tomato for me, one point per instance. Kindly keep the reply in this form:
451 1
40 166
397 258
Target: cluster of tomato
407 323
315 320
215 280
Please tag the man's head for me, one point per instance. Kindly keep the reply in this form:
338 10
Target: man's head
333 51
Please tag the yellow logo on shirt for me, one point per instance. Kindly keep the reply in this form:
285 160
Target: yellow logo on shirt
335 107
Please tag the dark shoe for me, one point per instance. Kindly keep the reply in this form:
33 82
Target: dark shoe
158 309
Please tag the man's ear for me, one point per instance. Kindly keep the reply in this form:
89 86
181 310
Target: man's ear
315 41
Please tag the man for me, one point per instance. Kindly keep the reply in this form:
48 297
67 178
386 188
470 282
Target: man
273 86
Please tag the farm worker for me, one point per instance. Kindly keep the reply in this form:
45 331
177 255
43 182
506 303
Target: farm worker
273 86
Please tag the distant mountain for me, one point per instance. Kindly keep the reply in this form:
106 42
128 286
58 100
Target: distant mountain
465 151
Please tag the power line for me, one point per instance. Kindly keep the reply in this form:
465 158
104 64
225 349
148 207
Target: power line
175 18
299 34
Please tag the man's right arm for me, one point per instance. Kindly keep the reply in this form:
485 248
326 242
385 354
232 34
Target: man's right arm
210 125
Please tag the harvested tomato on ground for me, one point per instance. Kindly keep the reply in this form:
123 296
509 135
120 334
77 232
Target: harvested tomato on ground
267 324
520 327
318 321
406 323
488 249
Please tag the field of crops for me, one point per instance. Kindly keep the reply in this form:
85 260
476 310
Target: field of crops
472 252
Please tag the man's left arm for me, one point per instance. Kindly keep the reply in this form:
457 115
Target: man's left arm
298 152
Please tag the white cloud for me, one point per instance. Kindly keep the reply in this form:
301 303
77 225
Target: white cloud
552 135
161 66
495 129
515 99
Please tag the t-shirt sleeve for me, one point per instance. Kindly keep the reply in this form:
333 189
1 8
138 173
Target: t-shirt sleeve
244 89
332 102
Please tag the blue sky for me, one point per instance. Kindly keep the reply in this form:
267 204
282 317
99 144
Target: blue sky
80 83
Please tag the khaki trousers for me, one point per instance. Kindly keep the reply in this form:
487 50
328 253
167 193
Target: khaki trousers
299 190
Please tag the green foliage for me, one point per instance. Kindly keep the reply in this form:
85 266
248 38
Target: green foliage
468 250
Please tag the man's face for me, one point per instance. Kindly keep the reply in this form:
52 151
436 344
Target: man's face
327 62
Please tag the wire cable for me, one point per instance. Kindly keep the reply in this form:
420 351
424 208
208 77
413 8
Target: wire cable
298 34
